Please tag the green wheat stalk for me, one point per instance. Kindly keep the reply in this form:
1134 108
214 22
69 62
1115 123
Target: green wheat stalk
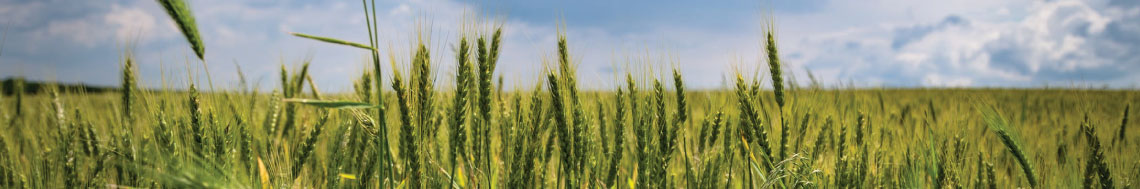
128 89
306 151
423 85
1001 127
774 67
381 111
196 119
1123 125
313 87
486 58
561 125
619 137
459 106
750 124
665 136
576 121
179 11
682 101
1096 162
407 130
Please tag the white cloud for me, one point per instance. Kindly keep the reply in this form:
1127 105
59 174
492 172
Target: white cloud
1053 41
83 31
94 26
937 80
400 10
130 23
20 14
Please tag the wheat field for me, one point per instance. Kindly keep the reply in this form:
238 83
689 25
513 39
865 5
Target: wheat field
406 130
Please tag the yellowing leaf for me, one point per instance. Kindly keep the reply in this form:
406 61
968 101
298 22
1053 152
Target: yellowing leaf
264 174
460 178
348 176
633 179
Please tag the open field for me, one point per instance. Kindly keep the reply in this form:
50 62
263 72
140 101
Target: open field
406 130
820 138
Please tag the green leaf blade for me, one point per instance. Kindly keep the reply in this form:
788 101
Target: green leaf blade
332 40
333 104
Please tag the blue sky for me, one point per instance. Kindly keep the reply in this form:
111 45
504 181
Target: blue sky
901 43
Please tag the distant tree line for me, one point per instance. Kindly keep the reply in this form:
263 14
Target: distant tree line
9 86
